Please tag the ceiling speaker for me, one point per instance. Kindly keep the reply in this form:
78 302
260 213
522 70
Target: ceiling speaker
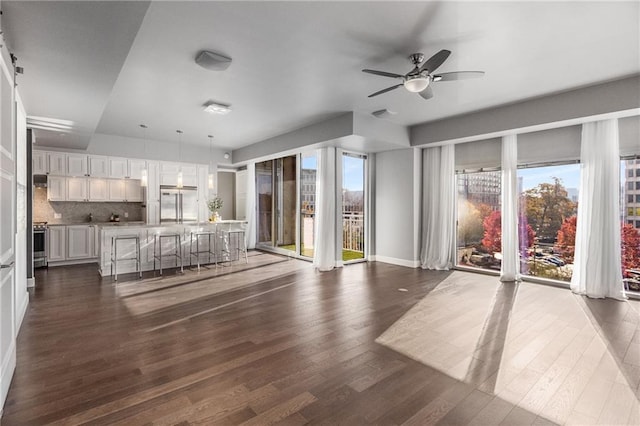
212 61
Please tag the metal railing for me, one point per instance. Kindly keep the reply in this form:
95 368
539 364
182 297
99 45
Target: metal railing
353 231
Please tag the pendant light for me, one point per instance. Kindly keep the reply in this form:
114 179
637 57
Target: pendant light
144 176
179 184
211 180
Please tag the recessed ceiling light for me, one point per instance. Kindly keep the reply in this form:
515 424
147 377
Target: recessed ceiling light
215 108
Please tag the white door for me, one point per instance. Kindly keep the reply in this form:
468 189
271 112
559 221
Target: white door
57 163
98 166
7 234
98 190
76 165
79 241
39 163
77 189
57 243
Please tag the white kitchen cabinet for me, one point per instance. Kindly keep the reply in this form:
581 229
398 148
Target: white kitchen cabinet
80 244
135 168
118 167
166 167
98 190
98 166
77 165
117 190
203 193
153 213
39 163
77 189
96 241
153 181
133 191
57 163
56 188
57 242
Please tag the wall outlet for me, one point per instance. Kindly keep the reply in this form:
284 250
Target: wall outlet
126 214
57 215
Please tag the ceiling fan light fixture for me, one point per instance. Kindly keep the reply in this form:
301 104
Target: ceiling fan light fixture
416 84
215 108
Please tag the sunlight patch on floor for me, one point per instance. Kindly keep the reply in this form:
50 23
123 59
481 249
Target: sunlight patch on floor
544 349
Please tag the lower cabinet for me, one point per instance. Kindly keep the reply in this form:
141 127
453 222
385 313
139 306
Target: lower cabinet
57 242
72 242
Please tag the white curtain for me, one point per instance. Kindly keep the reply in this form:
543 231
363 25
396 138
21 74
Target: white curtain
597 265
250 206
324 257
510 269
438 207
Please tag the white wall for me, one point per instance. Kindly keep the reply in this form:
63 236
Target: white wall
397 206
227 191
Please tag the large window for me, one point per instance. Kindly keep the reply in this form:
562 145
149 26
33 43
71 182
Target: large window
353 207
630 223
308 176
547 220
479 220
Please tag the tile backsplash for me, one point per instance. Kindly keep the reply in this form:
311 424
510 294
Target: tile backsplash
74 212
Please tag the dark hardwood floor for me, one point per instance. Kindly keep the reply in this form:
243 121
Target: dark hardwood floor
269 342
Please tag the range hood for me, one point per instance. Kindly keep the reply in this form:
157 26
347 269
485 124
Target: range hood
40 181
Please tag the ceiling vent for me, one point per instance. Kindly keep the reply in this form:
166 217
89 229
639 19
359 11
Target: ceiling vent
383 113
212 61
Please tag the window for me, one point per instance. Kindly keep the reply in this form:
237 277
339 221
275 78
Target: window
630 186
547 220
353 207
479 229
637 184
308 172
630 233
629 211
637 198
630 198
630 173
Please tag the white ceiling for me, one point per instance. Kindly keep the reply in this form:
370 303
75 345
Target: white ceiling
108 69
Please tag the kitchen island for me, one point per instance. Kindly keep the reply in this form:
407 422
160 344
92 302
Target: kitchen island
225 249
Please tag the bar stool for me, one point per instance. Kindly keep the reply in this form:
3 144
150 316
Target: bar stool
235 234
115 258
211 248
157 250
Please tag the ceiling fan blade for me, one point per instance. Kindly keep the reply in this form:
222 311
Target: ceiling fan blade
383 73
388 89
427 93
457 75
435 61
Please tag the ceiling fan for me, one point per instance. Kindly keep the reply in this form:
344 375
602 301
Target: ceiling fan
419 79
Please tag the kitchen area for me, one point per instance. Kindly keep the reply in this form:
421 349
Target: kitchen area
81 202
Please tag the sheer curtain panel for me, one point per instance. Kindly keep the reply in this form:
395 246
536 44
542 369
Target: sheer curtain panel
324 257
597 271
438 218
510 269
250 206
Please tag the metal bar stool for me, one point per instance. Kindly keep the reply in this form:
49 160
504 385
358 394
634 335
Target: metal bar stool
157 250
211 248
115 258
235 234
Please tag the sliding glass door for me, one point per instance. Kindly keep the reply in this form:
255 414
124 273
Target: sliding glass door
308 175
353 207
276 189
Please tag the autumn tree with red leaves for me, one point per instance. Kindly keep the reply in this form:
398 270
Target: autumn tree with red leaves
566 238
630 248
492 240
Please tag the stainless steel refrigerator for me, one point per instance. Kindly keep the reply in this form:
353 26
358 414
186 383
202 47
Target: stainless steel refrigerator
178 205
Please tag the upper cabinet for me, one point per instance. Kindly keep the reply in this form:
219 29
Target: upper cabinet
56 188
98 166
118 167
57 162
77 165
39 163
135 168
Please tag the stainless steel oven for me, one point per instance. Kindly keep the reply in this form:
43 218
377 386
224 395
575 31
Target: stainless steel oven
40 232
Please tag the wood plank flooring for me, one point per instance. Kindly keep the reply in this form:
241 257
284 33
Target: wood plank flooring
276 342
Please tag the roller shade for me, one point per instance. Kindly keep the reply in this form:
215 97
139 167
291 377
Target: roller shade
484 154
550 146
629 130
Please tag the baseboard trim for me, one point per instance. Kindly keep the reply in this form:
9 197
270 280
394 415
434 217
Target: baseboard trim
31 282
396 261
22 311
6 373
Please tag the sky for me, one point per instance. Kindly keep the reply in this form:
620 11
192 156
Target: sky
352 169
569 174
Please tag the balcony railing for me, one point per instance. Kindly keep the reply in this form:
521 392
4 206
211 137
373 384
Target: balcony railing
353 231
